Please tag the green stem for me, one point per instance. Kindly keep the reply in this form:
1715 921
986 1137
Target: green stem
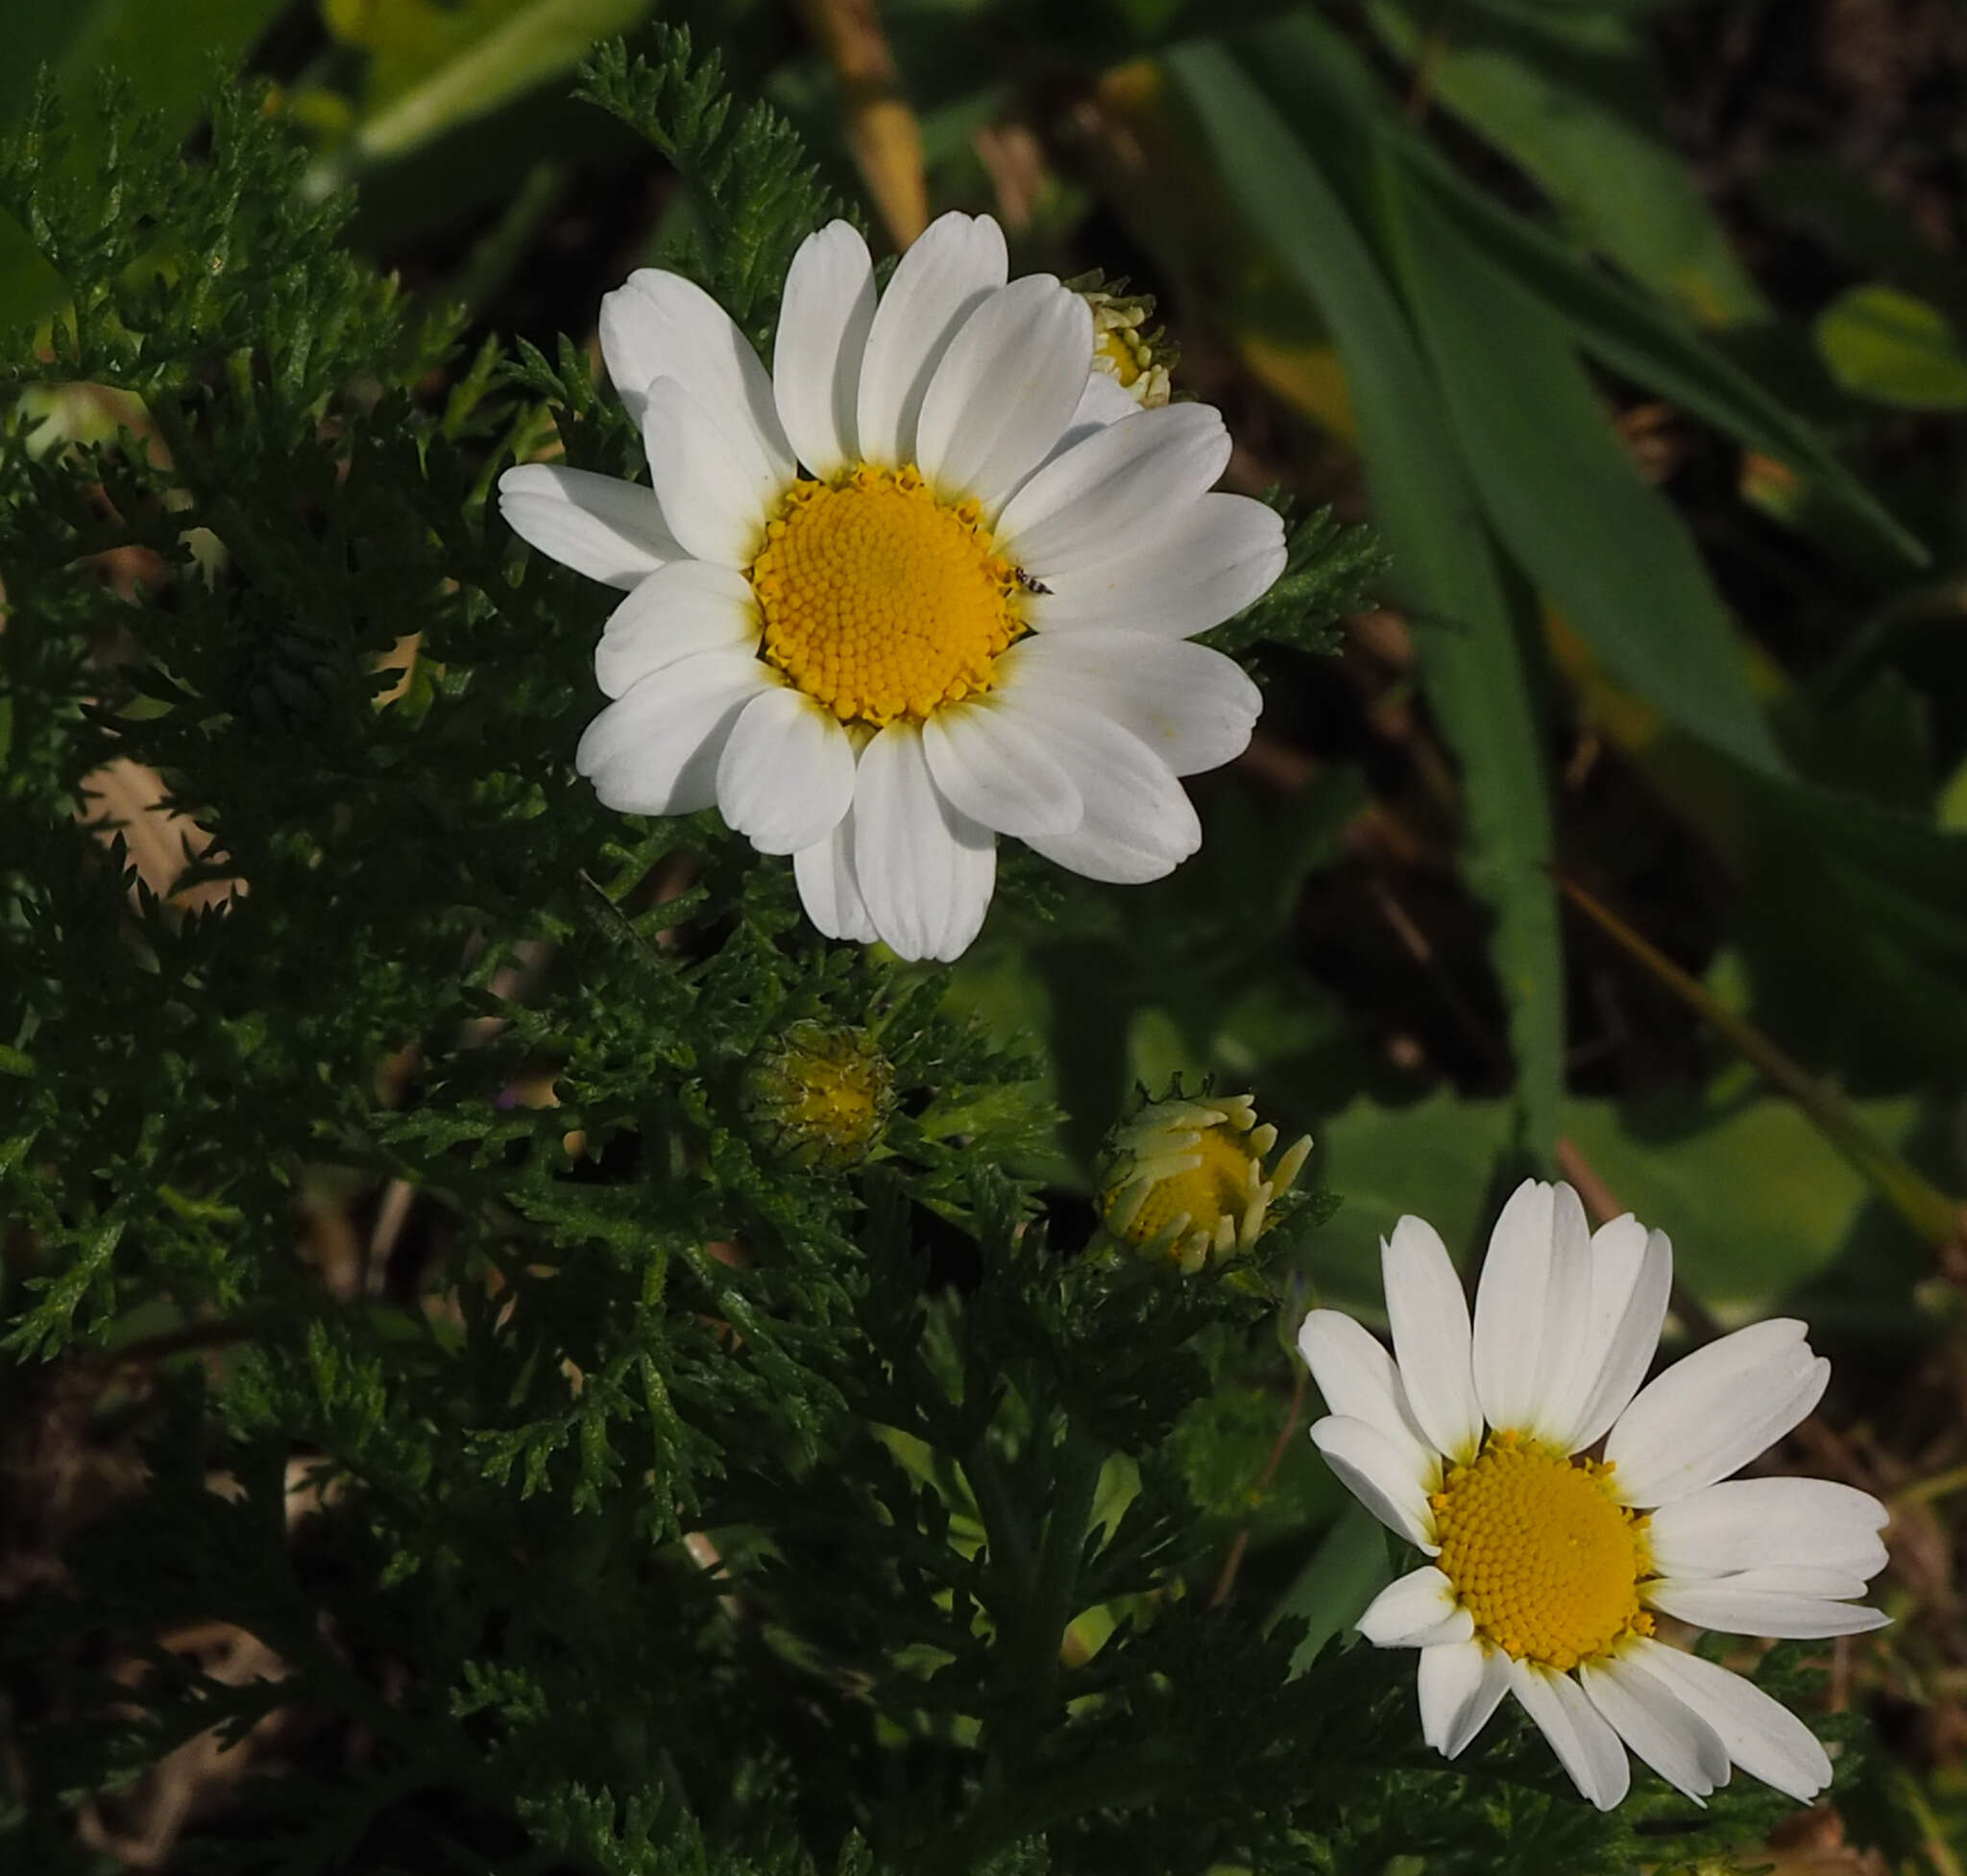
1075 1481
1004 1531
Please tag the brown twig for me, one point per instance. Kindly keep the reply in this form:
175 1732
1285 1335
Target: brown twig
1233 1562
882 130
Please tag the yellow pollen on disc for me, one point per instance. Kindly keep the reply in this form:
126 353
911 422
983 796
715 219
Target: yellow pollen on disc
882 601
1541 1553
1219 1184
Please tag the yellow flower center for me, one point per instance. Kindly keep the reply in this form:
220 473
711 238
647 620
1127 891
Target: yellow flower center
1219 1183
1124 352
1541 1553
882 601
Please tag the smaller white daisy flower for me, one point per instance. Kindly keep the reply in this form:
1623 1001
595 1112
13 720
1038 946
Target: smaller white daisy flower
1547 1564
928 581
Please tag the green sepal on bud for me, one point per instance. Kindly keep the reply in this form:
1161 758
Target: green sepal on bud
1184 1180
822 1093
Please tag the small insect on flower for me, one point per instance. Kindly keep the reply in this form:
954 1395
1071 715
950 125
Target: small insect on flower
1548 1565
1184 1180
927 582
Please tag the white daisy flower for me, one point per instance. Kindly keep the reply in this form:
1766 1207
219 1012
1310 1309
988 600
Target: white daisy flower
1547 1564
928 581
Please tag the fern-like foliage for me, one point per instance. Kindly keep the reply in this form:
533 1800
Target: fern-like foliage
629 1496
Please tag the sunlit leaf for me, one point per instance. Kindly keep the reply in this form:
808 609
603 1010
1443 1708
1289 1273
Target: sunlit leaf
434 68
1890 346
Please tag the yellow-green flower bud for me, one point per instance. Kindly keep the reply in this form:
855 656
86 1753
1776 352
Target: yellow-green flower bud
825 1092
1135 359
1185 1180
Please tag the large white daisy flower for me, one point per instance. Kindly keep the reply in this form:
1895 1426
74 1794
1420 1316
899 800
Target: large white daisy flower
926 582
1547 1564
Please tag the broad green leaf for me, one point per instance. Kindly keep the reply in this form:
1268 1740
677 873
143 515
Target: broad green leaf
1572 98
1756 1202
434 68
1605 549
1347 1571
1893 348
1445 571
165 49
1330 93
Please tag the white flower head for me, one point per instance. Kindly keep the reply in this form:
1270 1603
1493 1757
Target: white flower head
1548 1565
928 581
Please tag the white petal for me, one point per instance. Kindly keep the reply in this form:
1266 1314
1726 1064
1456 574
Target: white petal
828 888
1192 707
659 324
823 323
687 607
717 494
1461 1684
600 525
1139 823
1632 1274
992 767
1762 1735
1223 553
926 870
785 779
957 261
1745 1605
1115 492
1585 1743
1659 1726
1359 1380
1531 1311
1103 401
1005 390
1714 1411
1431 1324
1380 1474
655 752
1416 1611
1747 1523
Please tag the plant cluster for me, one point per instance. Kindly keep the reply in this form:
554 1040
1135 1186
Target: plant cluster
653 1489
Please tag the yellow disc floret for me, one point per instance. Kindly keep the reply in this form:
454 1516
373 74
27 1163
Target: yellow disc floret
1218 1182
1185 1180
1541 1553
881 601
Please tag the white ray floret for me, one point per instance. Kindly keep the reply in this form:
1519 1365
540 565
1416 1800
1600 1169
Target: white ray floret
1545 1566
926 582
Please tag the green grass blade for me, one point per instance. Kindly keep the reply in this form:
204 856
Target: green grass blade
1446 568
1608 550
1572 98
1324 86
